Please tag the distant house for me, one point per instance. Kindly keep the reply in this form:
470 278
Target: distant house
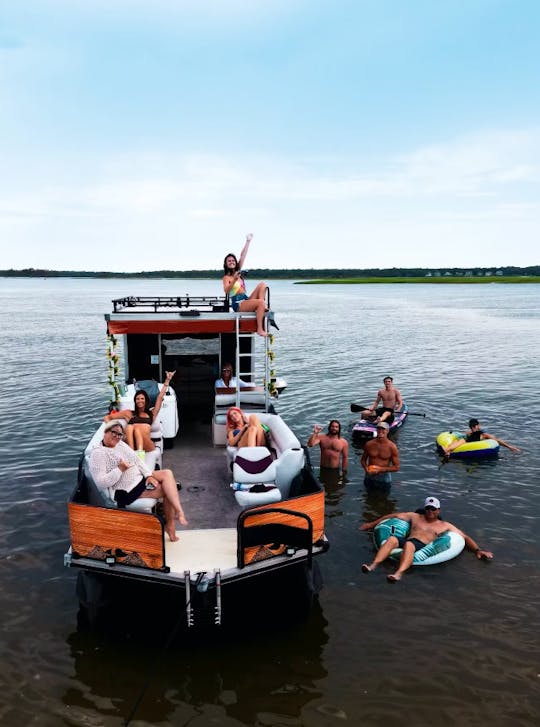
437 273
447 274
488 273
499 272
428 275
468 273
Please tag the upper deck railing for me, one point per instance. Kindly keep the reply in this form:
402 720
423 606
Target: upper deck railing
151 304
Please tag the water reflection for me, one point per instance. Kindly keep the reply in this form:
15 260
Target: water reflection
334 482
240 671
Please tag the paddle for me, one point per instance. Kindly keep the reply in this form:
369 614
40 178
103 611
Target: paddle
359 407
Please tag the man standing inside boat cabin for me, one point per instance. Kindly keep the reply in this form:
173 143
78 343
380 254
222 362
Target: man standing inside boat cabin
334 447
391 401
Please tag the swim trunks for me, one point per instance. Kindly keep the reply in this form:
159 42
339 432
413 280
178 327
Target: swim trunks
382 479
418 544
380 411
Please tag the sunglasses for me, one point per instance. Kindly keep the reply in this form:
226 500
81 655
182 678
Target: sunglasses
116 433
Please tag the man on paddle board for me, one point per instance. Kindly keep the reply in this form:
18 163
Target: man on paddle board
391 401
425 528
379 458
334 447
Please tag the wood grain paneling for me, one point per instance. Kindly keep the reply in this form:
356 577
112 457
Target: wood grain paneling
133 538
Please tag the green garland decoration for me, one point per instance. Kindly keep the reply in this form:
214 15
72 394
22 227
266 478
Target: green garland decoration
114 368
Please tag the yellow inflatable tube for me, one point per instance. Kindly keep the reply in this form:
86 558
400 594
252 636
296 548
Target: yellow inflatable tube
469 450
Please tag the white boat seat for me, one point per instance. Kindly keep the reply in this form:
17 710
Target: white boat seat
102 498
254 464
245 498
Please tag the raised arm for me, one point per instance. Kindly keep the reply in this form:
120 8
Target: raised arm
315 436
485 435
244 252
162 392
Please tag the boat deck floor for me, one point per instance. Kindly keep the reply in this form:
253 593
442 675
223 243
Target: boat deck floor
202 469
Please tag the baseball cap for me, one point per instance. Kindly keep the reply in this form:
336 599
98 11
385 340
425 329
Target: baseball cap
382 425
114 423
432 502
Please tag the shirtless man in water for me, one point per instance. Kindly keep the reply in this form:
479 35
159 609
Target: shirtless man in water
379 458
425 528
334 447
391 401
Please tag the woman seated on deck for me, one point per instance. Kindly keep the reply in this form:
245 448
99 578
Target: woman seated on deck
139 421
244 431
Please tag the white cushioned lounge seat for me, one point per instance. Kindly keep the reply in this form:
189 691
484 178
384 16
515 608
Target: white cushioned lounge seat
286 451
102 498
255 465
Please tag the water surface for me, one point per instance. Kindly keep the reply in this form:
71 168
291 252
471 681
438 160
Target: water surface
454 644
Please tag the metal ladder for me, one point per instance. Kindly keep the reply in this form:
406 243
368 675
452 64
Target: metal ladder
258 371
201 583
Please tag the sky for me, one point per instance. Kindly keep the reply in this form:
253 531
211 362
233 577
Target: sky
155 134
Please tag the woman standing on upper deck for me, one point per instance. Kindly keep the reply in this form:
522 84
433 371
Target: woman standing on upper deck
235 287
139 420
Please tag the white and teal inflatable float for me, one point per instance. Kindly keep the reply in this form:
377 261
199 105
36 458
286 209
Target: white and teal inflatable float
445 547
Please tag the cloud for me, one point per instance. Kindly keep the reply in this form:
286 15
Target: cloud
490 165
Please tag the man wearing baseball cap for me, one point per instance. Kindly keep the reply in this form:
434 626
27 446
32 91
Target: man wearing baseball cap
379 458
425 528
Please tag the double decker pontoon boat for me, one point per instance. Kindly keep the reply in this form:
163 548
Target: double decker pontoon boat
253 514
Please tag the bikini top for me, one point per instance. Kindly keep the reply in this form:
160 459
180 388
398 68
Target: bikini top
141 420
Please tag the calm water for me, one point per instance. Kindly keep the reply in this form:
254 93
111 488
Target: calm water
455 644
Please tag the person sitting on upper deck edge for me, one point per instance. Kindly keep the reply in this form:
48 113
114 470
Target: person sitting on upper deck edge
228 379
391 401
235 287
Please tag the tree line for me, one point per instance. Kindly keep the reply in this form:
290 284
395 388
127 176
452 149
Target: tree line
286 273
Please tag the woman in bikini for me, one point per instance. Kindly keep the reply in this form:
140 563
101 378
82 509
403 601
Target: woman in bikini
235 287
139 421
243 431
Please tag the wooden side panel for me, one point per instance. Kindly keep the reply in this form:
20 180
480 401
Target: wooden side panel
134 538
311 505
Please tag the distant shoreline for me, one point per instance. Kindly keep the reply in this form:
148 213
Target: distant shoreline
450 280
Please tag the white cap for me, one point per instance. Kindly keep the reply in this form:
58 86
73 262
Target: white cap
432 502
